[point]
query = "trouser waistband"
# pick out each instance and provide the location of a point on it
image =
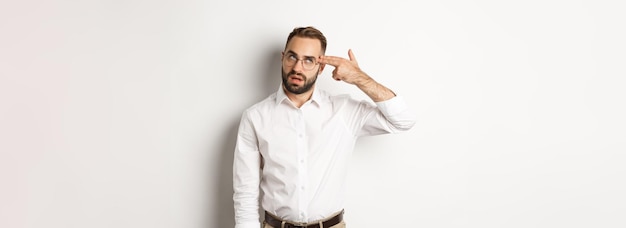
(276, 222)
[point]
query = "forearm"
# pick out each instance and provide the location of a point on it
(246, 209)
(246, 189)
(376, 91)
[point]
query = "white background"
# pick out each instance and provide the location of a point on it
(123, 113)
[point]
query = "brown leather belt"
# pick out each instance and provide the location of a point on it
(276, 223)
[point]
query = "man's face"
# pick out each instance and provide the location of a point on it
(297, 78)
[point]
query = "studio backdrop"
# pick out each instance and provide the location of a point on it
(124, 113)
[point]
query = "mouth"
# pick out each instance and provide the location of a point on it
(296, 78)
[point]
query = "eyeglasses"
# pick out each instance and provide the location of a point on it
(308, 63)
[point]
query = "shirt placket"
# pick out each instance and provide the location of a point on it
(302, 151)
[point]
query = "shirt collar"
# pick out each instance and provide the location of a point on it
(281, 96)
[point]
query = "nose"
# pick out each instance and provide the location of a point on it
(298, 67)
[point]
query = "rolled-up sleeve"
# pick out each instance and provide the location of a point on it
(390, 116)
(246, 176)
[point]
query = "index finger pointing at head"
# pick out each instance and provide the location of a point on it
(331, 60)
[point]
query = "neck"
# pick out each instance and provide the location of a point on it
(299, 99)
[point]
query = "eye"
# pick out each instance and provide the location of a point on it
(309, 60)
(292, 57)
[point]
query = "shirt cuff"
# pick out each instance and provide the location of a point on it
(392, 106)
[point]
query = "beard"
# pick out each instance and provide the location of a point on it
(297, 89)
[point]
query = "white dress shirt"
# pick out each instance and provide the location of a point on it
(296, 159)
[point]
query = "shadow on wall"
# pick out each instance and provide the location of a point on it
(272, 64)
(268, 80)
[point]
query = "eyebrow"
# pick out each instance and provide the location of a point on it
(296, 54)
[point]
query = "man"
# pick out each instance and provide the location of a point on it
(293, 147)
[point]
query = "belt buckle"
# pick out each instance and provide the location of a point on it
(300, 225)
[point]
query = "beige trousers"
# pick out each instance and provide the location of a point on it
(342, 224)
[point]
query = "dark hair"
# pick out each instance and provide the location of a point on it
(308, 32)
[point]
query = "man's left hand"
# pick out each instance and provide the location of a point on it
(346, 70)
